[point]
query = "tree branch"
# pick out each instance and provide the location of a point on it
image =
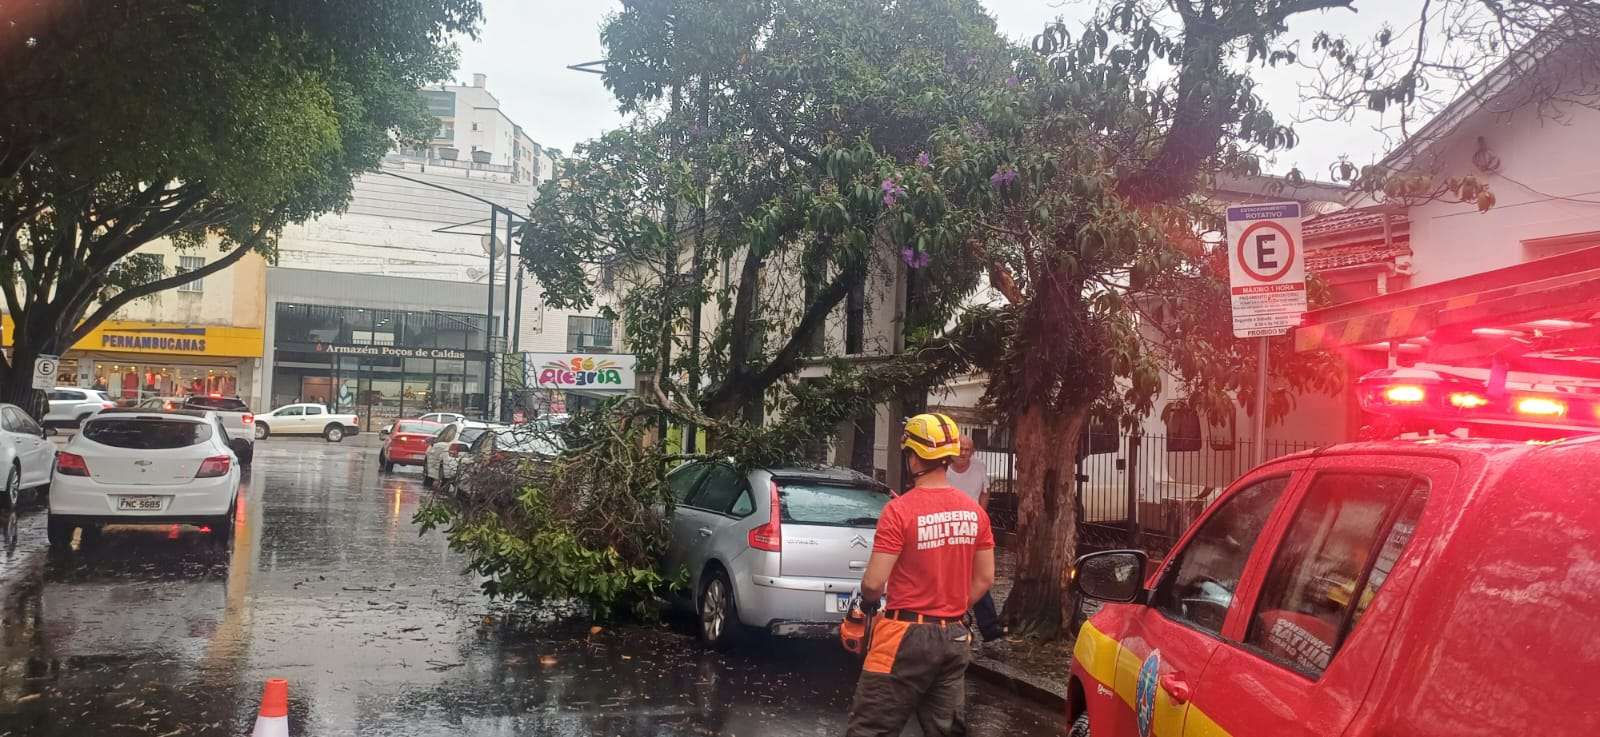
(110, 306)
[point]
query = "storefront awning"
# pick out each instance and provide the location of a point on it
(1540, 316)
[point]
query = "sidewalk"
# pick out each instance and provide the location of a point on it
(1030, 668)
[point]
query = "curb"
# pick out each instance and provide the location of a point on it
(1047, 693)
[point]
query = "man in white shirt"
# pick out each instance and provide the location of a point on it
(971, 476)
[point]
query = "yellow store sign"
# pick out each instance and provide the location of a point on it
(163, 338)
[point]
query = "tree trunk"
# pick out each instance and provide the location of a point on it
(16, 382)
(1046, 443)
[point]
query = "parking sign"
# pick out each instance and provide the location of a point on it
(44, 371)
(1266, 267)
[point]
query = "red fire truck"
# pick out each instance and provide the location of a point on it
(1446, 584)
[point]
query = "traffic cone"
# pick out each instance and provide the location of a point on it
(273, 720)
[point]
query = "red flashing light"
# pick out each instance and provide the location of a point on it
(1467, 400)
(1542, 407)
(213, 467)
(769, 537)
(215, 395)
(71, 464)
(249, 420)
(1405, 394)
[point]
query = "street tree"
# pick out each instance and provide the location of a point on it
(764, 137)
(211, 124)
(1083, 191)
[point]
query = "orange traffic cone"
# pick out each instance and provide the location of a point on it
(273, 720)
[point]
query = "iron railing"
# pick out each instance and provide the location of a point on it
(1142, 491)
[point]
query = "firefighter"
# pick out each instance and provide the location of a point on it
(933, 556)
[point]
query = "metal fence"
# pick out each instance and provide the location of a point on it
(1137, 491)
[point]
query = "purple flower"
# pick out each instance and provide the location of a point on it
(1003, 176)
(914, 259)
(892, 191)
(1012, 81)
(923, 160)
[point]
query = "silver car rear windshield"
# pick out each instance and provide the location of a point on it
(147, 433)
(812, 503)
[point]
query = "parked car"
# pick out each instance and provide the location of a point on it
(1432, 588)
(160, 403)
(135, 466)
(780, 550)
(306, 419)
(25, 454)
(407, 445)
(445, 448)
(70, 406)
(534, 442)
(236, 418)
(437, 418)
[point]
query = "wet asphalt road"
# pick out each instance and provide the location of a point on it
(379, 632)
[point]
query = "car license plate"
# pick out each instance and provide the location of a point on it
(838, 603)
(139, 503)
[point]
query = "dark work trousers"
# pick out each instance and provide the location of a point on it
(912, 669)
(988, 619)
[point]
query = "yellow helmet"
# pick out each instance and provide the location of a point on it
(932, 436)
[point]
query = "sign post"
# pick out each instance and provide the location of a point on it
(1267, 281)
(44, 371)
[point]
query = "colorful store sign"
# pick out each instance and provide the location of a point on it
(588, 371)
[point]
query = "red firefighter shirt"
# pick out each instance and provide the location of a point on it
(936, 532)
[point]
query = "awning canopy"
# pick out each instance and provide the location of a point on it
(1539, 317)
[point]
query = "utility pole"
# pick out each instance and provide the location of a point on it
(488, 345)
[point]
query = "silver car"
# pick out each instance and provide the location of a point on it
(776, 550)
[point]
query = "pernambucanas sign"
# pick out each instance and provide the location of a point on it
(1266, 268)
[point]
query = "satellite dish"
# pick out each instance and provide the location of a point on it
(476, 274)
(489, 244)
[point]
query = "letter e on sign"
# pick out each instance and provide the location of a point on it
(1266, 268)
(44, 371)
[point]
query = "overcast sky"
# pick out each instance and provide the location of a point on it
(526, 46)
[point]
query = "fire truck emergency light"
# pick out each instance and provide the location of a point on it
(1541, 407)
(1405, 394)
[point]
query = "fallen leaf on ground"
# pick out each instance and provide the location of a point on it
(547, 660)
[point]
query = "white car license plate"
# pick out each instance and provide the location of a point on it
(139, 503)
(837, 603)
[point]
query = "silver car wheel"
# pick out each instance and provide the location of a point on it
(714, 610)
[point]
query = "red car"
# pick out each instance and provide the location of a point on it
(407, 444)
(1417, 588)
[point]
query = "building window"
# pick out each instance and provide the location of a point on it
(608, 278)
(1183, 428)
(474, 126)
(187, 264)
(589, 335)
(446, 132)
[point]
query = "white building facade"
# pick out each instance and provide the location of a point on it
(403, 303)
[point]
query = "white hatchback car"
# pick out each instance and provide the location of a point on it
(135, 466)
(443, 459)
(25, 454)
